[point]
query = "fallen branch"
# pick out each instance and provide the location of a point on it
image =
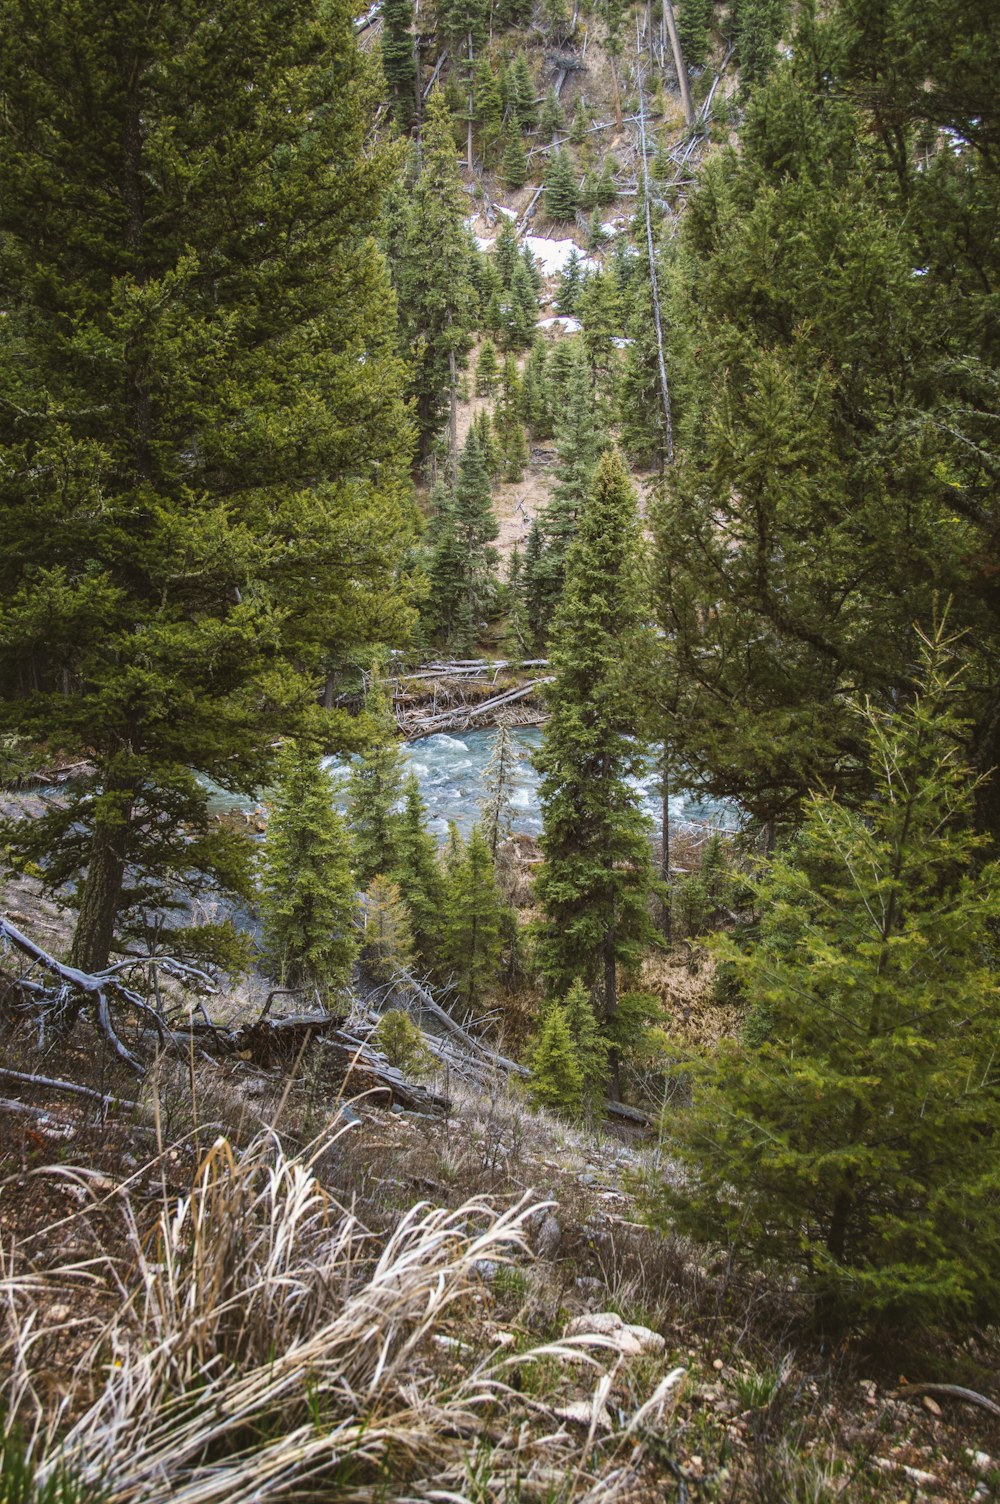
(948, 1392)
(70, 1088)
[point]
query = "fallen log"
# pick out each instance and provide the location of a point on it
(947, 1392)
(68, 1088)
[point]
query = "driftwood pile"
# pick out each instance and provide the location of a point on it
(454, 696)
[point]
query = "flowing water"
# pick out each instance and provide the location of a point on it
(450, 772)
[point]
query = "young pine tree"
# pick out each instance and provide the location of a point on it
(487, 369)
(580, 124)
(374, 789)
(579, 441)
(499, 786)
(307, 888)
(515, 161)
(846, 1136)
(597, 879)
(552, 118)
(386, 938)
(471, 938)
(589, 1045)
(399, 63)
(476, 526)
(560, 186)
(556, 1080)
(417, 873)
(179, 346)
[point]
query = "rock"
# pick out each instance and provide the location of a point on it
(581, 1413)
(589, 1286)
(486, 1270)
(548, 1238)
(346, 1114)
(630, 1340)
(981, 1463)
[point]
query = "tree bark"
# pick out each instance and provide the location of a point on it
(675, 47)
(452, 417)
(665, 842)
(610, 1010)
(95, 927)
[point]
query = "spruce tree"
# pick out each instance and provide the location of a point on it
(433, 269)
(179, 346)
(489, 109)
(538, 404)
(589, 1045)
(561, 194)
(556, 1080)
(487, 369)
(508, 422)
(845, 1136)
(308, 894)
(515, 161)
(694, 27)
(386, 938)
(476, 527)
(506, 253)
(374, 789)
(580, 439)
(471, 938)
(580, 124)
(535, 587)
(417, 872)
(595, 885)
(522, 311)
(522, 87)
(499, 786)
(399, 62)
(552, 118)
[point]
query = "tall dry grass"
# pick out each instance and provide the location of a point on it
(266, 1345)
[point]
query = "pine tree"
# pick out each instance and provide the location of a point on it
(535, 589)
(589, 1046)
(515, 161)
(523, 310)
(463, 26)
(476, 527)
(433, 269)
(599, 309)
(587, 196)
(307, 888)
(470, 943)
(508, 422)
(374, 789)
(506, 253)
(580, 440)
(607, 193)
(399, 63)
(538, 391)
(499, 786)
(560, 186)
(488, 447)
(179, 346)
(448, 603)
(417, 873)
(594, 887)
(523, 93)
(849, 1128)
(386, 938)
(489, 109)
(756, 27)
(487, 369)
(556, 1080)
(580, 124)
(694, 27)
(552, 118)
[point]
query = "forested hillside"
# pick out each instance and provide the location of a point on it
(499, 746)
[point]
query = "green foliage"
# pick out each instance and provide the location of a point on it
(508, 423)
(538, 405)
(561, 193)
(487, 369)
(853, 1132)
(499, 784)
(756, 27)
(374, 789)
(471, 931)
(522, 93)
(514, 172)
(386, 937)
(180, 348)
(694, 28)
(556, 1077)
(571, 279)
(18, 1483)
(307, 888)
(580, 123)
(399, 63)
(402, 1043)
(589, 1045)
(552, 118)
(489, 108)
(432, 257)
(417, 873)
(595, 885)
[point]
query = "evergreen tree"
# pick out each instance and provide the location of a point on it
(580, 440)
(538, 391)
(694, 27)
(463, 26)
(756, 28)
(535, 590)
(587, 196)
(374, 789)
(607, 193)
(523, 309)
(386, 938)
(552, 118)
(846, 1136)
(448, 602)
(399, 62)
(522, 90)
(589, 1046)
(488, 447)
(571, 279)
(599, 309)
(487, 369)
(580, 124)
(508, 422)
(489, 109)
(499, 786)
(556, 1077)
(515, 161)
(472, 923)
(595, 885)
(307, 888)
(417, 872)
(506, 253)
(433, 270)
(179, 347)
(560, 186)
(476, 526)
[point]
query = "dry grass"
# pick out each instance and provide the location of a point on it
(266, 1344)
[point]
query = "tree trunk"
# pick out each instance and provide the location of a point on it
(95, 927)
(682, 78)
(452, 417)
(665, 841)
(618, 96)
(610, 1010)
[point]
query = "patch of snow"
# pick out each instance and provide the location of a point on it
(482, 244)
(620, 344)
(510, 213)
(553, 255)
(567, 325)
